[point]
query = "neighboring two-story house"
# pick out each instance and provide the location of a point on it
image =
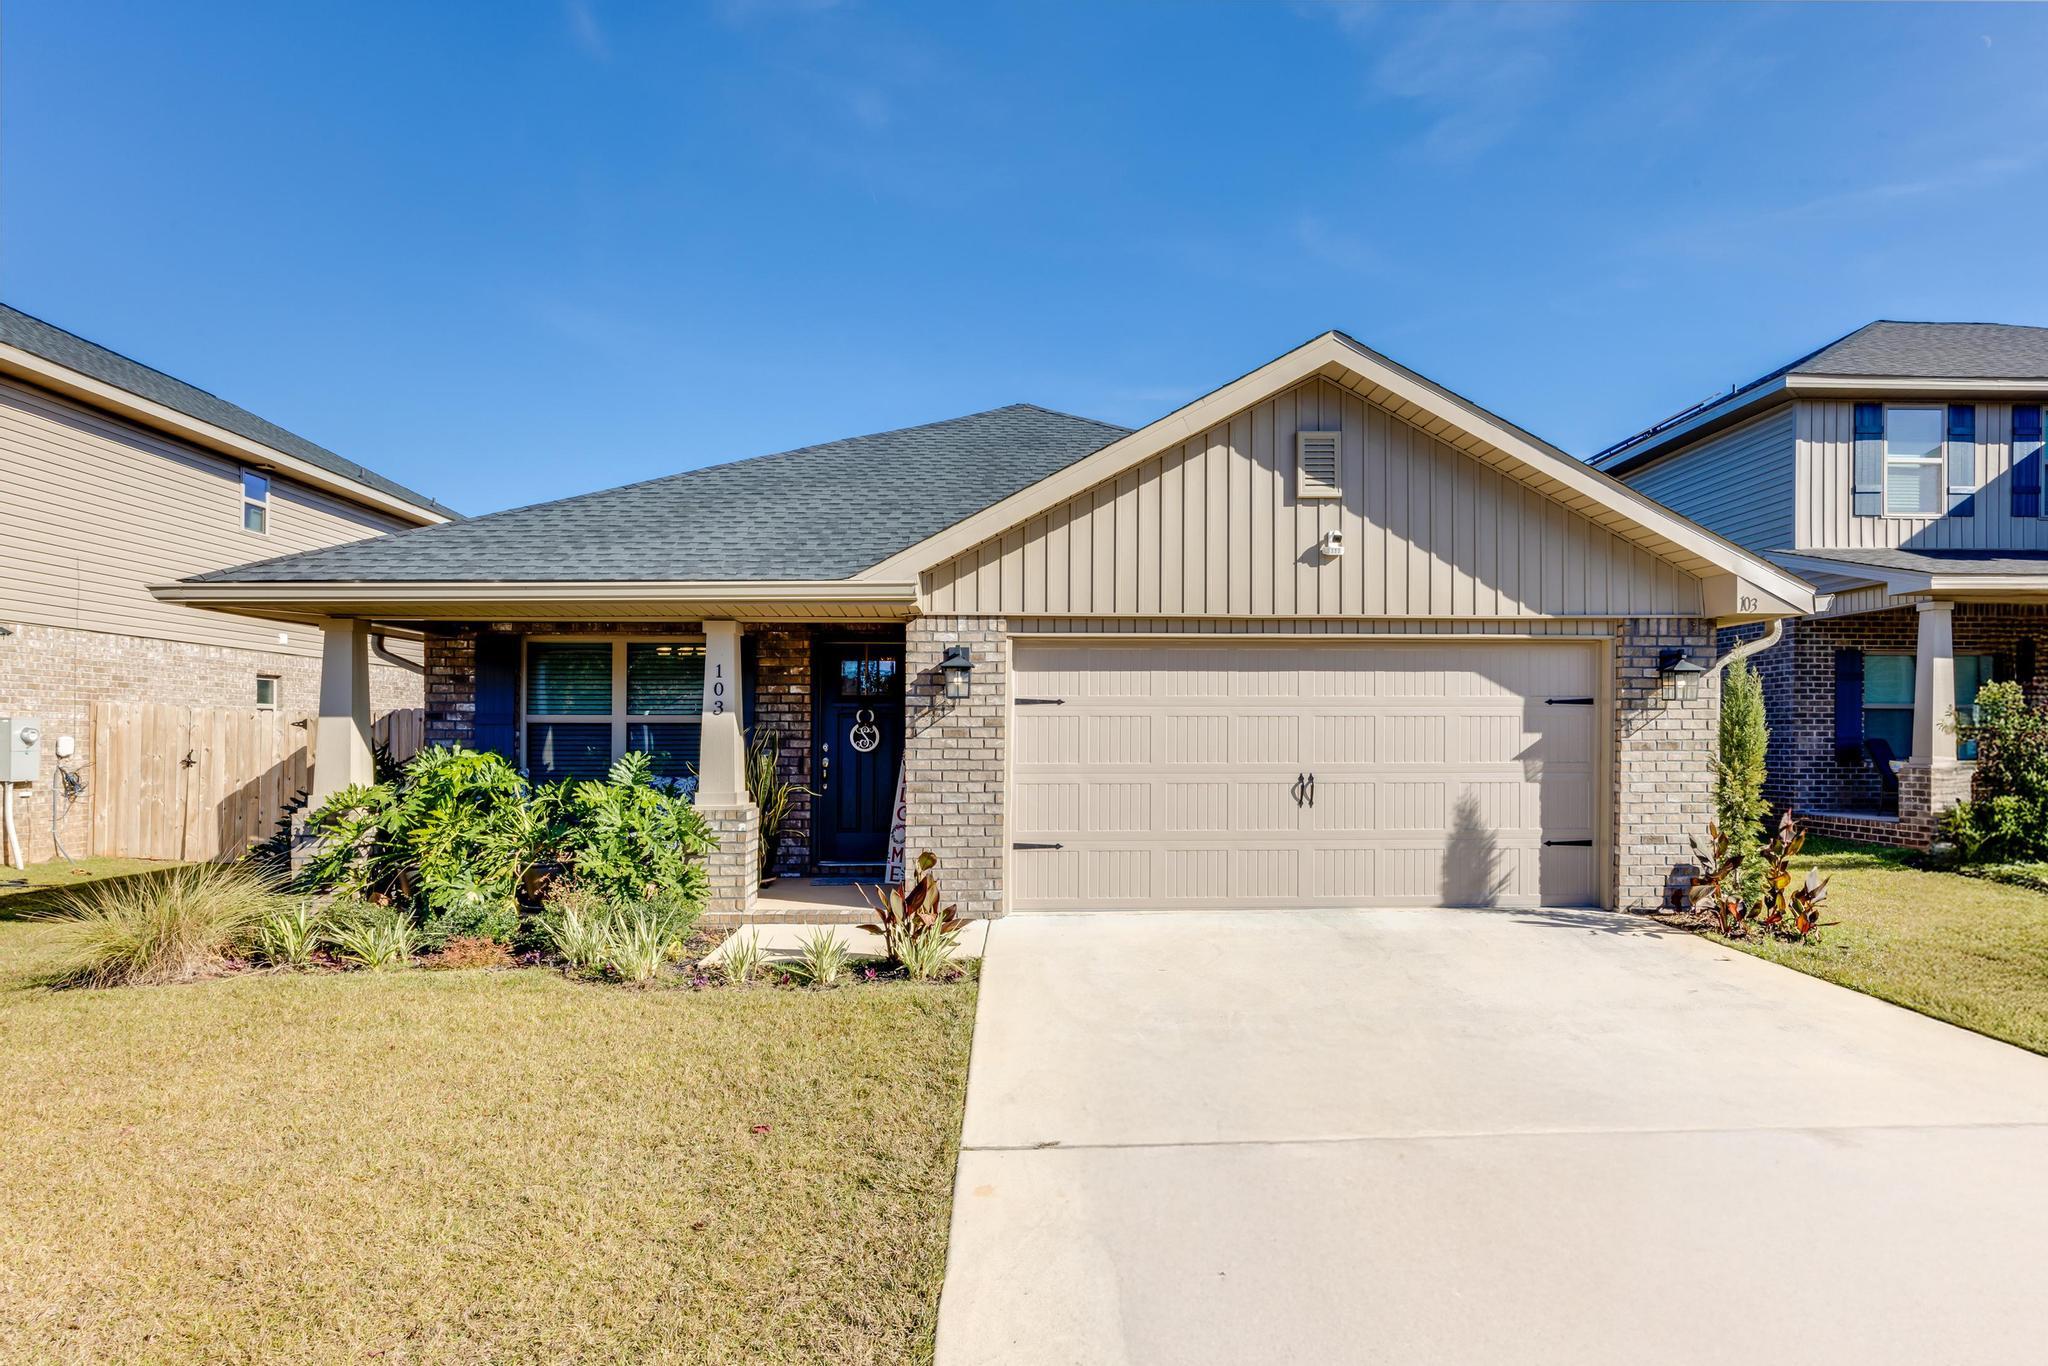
(1899, 471)
(116, 477)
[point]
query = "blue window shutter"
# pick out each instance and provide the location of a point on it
(1848, 706)
(2026, 461)
(1869, 482)
(1962, 459)
(497, 694)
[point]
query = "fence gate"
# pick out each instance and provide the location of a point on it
(170, 782)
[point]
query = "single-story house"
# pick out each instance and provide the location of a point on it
(1331, 635)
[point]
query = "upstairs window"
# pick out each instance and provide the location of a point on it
(255, 502)
(1913, 461)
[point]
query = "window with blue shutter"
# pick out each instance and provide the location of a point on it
(497, 694)
(1869, 472)
(2026, 461)
(1962, 459)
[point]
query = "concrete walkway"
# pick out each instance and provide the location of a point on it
(1446, 1137)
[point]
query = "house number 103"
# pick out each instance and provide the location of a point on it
(718, 689)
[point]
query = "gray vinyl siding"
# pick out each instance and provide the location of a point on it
(1739, 482)
(103, 508)
(1213, 528)
(1827, 521)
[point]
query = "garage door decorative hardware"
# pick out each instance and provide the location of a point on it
(1038, 846)
(1578, 844)
(1567, 701)
(1041, 701)
(1304, 789)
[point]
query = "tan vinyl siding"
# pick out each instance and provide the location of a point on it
(1213, 528)
(1739, 483)
(103, 509)
(1827, 521)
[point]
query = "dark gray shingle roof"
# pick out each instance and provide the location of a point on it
(1934, 351)
(1993, 562)
(54, 344)
(1884, 350)
(820, 512)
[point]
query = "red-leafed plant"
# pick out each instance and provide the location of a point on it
(1715, 882)
(910, 919)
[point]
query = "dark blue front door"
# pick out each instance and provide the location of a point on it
(859, 740)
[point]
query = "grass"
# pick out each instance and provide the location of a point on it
(31, 891)
(472, 1167)
(1968, 950)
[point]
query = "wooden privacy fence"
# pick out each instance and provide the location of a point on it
(174, 782)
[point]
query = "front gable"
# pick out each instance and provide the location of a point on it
(1444, 510)
(1216, 525)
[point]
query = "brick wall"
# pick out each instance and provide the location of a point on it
(956, 757)
(1798, 675)
(782, 703)
(56, 675)
(1663, 760)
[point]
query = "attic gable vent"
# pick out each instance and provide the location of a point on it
(1316, 464)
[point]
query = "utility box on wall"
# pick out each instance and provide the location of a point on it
(21, 749)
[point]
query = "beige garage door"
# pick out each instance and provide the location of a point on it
(1244, 775)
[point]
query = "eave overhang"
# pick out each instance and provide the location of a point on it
(578, 600)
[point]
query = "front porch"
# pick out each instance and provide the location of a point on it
(857, 714)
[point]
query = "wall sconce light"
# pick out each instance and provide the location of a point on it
(1679, 674)
(958, 666)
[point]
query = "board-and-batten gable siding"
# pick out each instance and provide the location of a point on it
(1740, 483)
(1827, 519)
(1212, 528)
(103, 508)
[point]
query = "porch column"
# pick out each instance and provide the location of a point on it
(1934, 685)
(341, 737)
(722, 796)
(1932, 781)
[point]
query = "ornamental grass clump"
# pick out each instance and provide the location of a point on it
(161, 927)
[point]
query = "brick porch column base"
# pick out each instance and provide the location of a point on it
(1926, 793)
(734, 866)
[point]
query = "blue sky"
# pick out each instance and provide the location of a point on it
(506, 252)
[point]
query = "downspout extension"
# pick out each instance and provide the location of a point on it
(384, 652)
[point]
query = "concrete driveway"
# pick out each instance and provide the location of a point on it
(1459, 1136)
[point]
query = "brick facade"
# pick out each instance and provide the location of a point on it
(56, 675)
(957, 759)
(781, 691)
(1663, 760)
(1798, 675)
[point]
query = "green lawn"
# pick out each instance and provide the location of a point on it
(473, 1167)
(1963, 949)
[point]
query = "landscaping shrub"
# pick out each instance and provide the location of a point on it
(165, 927)
(919, 932)
(1739, 807)
(2007, 817)
(742, 958)
(458, 836)
(375, 936)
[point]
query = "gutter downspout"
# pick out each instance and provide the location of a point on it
(1751, 647)
(384, 652)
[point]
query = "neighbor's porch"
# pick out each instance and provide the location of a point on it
(1868, 710)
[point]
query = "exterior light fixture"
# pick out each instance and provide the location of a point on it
(1680, 674)
(958, 666)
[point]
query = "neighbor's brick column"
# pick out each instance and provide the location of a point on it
(957, 760)
(1926, 792)
(782, 703)
(1663, 760)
